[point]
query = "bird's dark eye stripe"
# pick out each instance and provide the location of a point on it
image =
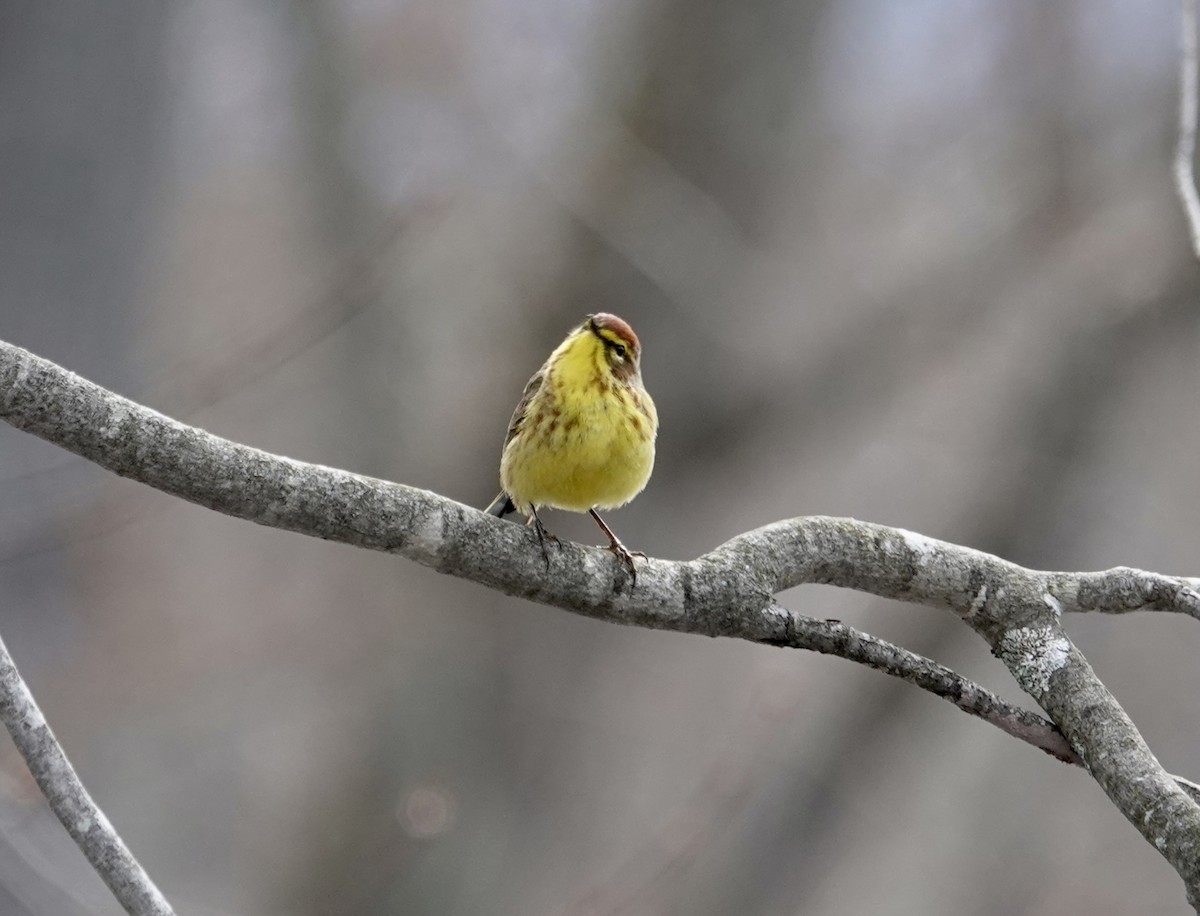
(621, 348)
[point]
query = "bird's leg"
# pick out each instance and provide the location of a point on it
(543, 535)
(617, 547)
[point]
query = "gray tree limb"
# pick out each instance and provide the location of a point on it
(70, 801)
(727, 592)
(832, 637)
(1185, 148)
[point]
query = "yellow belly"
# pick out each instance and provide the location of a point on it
(591, 455)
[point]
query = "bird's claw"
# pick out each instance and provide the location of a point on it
(543, 537)
(626, 556)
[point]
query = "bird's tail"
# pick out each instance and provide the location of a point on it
(501, 506)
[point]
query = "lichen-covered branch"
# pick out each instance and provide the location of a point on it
(832, 637)
(727, 592)
(1123, 589)
(70, 801)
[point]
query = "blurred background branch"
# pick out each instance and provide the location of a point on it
(1185, 151)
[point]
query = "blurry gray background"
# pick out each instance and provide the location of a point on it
(917, 263)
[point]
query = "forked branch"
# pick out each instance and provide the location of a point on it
(727, 592)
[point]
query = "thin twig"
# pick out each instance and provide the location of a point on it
(70, 801)
(1185, 151)
(832, 637)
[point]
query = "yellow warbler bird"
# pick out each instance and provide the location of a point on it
(582, 437)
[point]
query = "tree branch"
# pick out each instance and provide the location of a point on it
(70, 801)
(1123, 589)
(832, 637)
(727, 592)
(1185, 150)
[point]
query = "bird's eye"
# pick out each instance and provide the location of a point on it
(620, 350)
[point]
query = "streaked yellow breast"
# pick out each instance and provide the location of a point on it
(587, 440)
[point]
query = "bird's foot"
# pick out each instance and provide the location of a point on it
(626, 556)
(615, 545)
(543, 537)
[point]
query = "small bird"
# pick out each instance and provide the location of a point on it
(582, 437)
